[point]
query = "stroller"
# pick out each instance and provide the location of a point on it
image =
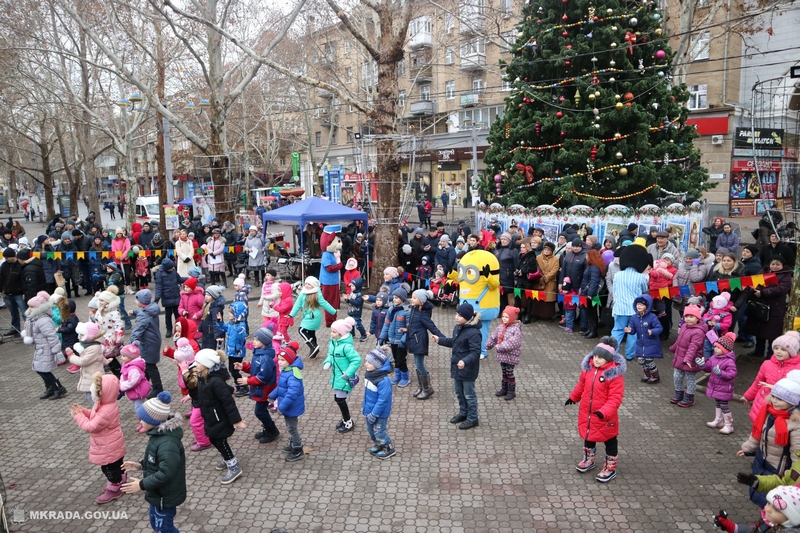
(448, 293)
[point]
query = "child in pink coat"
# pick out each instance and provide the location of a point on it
(718, 318)
(784, 359)
(722, 366)
(507, 338)
(196, 418)
(106, 443)
(132, 380)
(688, 347)
(283, 307)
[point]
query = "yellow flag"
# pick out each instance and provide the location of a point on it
(57, 255)
(81, 255)
(796, 323)
(106, 255)
(663, 292)
(758, 281)
(119, 255)
(37, 255)
(158, 253)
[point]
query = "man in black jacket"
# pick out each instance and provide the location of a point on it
(83, 243)
(33, 279)
(11, 288)
(776, 248)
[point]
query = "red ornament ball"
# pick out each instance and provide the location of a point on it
(561, 99)
(559, 114)
(564, 18)
(569, 47)
(567, 63)
(557, 173)
(595, 18)
(565, 33)
(563, 133)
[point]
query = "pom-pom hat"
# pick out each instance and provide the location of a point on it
(155, 410)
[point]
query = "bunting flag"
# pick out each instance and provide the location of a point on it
(171, 253)
(663, 292)
(56, 255)
(106, 255)
(596, 300)
(148, 253)
(92, 255)
(576, 300)
(724, 284)
(560, 298)
(50, 255)
(119, 255)
(81, 255)
(758, 280)
(796, 323)
(732, 284)
(582, 300)
(518, 293)
(37, 255)
(158, 253)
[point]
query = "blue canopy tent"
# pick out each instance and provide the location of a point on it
(185, 201)
(314, 210)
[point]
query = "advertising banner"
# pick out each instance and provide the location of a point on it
(761, 142)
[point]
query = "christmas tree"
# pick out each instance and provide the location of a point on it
(593, 117)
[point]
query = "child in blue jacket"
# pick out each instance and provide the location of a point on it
(290, 395)
(235, 333)
(394, 332)
(356, 305)
(262, 381)
(647, 328)
(378, 315)
(377, 404)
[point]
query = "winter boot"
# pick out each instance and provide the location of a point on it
(234, 471)
(427, 390)
(397, 376)
(688, 400)
(404, 380)
(59, 391)
(244, 390)
(503, 389)
(296, 454)
(609, 470)
(647, 376)
(654, 377)
(419, 385)
(386, 452)
(727, 428)
(588, 460)
(375, 449)
(512, 391)
(346, 427)
(717, 422)
(112, 492)
(314, 348)
(51, 389)
(268, 436)
(677, 397)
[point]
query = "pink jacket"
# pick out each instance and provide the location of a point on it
(723, 318)
(192, 303)
(688, 346)
(662, 277)
(771, 372)
(120, 245)
(133, 383)
(106, 443)
(508, 351)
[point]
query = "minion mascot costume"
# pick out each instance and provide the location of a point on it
(331, 243)
(479, 284)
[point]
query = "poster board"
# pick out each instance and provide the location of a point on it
(172, 216)
(204, 207)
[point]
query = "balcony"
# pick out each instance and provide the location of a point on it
(470, 100)
(472, 62)
(421, 73)
(422, 107)
(472, 21)
(420, 39)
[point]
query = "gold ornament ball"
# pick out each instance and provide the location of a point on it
(623, 171)
(520, 35)
(618, 106)
(659, 32)
(591, 96)
(597, 94)
(618, 155)
(617, 97)
(613, 45)
(613, 28)
(609, 11)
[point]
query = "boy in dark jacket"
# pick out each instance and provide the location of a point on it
(377, 406)
(261, 382)
(465, 362)
(163, 464)
(168, 291)
(378, 315)
(356, 306)
(647, 328)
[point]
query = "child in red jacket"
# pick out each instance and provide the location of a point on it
(600, 390)
(661, 277)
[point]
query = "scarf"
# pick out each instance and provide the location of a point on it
(501, 334)
(781, 431)
(376, 375)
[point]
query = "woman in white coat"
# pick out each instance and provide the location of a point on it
(184, 253)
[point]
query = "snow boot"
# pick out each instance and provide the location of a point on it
(503, 389)
(588, 460)
(512, 391)
(112, 492)
(647, 376)
(419, 385)
(677, 397)
(654, 377)
(688, 400)
(397, 377)
(51, 389)
(609, 470)
(59, 391)
(717, 422)
(727, 428)
(404, 379)
(427, 390)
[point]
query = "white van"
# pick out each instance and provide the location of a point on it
(147, 208)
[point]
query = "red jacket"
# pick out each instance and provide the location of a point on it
(599, 389)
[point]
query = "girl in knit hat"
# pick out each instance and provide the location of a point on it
(261, 381)
(87, 354)
(40, 331)
(507, 338)
(133, 381)
(784, 359)
(775, 434)
(106, 443)
(600, 390)
(290, 397)
(419, 324)
(345, 362)
(311, 302)
(718, 318)
(394, 332)
(687, 347)
(781, 512)
(192, 301)
(377, 405)
(722, 366)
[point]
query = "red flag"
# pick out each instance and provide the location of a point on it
(747, 281)
(771, 279)
(654, 294)
(674, 291)
(148, 253)
(724, 285)
(583, 301)
(700, 288)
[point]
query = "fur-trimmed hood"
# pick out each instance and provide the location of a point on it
(475, 321)
(612, 369)
(175, 421)
(33, 312)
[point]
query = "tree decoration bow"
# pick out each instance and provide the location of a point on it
(527, 170)
(630, 38)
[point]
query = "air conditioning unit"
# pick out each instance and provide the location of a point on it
(717, 140)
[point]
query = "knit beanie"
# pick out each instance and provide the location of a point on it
(191, 283)
(692, 253)
(314, 282)
(606, 348)
(720, 301)
(400, 293)
(239, 281)
(466, 311)
(786, 499)
(94, 303)
(66, 236)
(88, 329)
(383, 297)
(789, 341)
(131, 350)
(392, 271)
(289, 352)
(512, 313)
(376, 357)
(423, 295)
(215, 291)
(41, 298)
(577, 242)
(272, 272)
(207, 357)
(155, 410)
(726, 341)
(787, 390)
(753, 249)
(9, 252)
(693, 310)
(406, 250)
(633, 226)
(446, 238)
(144, 296)
(344, 327)
(195, 272)
(264, 335)
(505, 235)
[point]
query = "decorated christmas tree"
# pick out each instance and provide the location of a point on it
(593, 117)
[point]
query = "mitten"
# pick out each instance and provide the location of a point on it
(695, 262)
(599, 415)
(187, 259)
(569, 402)
(746, 478)
(326, 366)
(371, 418)
(699, 361)
(530, 275)
(722, 522)
(717, 370)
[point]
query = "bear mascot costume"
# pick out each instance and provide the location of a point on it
(331, 245)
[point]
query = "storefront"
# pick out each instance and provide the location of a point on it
(444, 170)
(759, 180)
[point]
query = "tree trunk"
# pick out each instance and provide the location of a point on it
(84, 132)
(47, 181)
(164, 181)
(12, 191)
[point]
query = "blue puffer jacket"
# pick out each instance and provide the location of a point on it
(419, 323)
(378, 395)
(290, 391)
(262, 373)
(355, 302)
(148, 333)
(395, 320)
(445, 257)
(647, 344)
(235, 331)
(168, 284)
(377, 321)
(590, 285)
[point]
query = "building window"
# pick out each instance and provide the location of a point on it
(350, 137)
(282, 161)
(349, 108)
(505, 6)
(449, 55)
(698, 97)
(318, 139)
(700, 45)
(348, 75)
(450, 89)
(401, 67)
(477, 85)
(509, 38)
(333, 135)
(449, 22)
(347, 47)
(425, 93)
(421, 24)
(401, 98)
(473, 48)
(506, 86)
(366, 75)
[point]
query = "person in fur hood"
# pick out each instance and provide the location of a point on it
(600, 389)
(40, 331)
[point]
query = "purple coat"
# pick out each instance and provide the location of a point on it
(688, 346)
(721, 387)
(508, 351)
